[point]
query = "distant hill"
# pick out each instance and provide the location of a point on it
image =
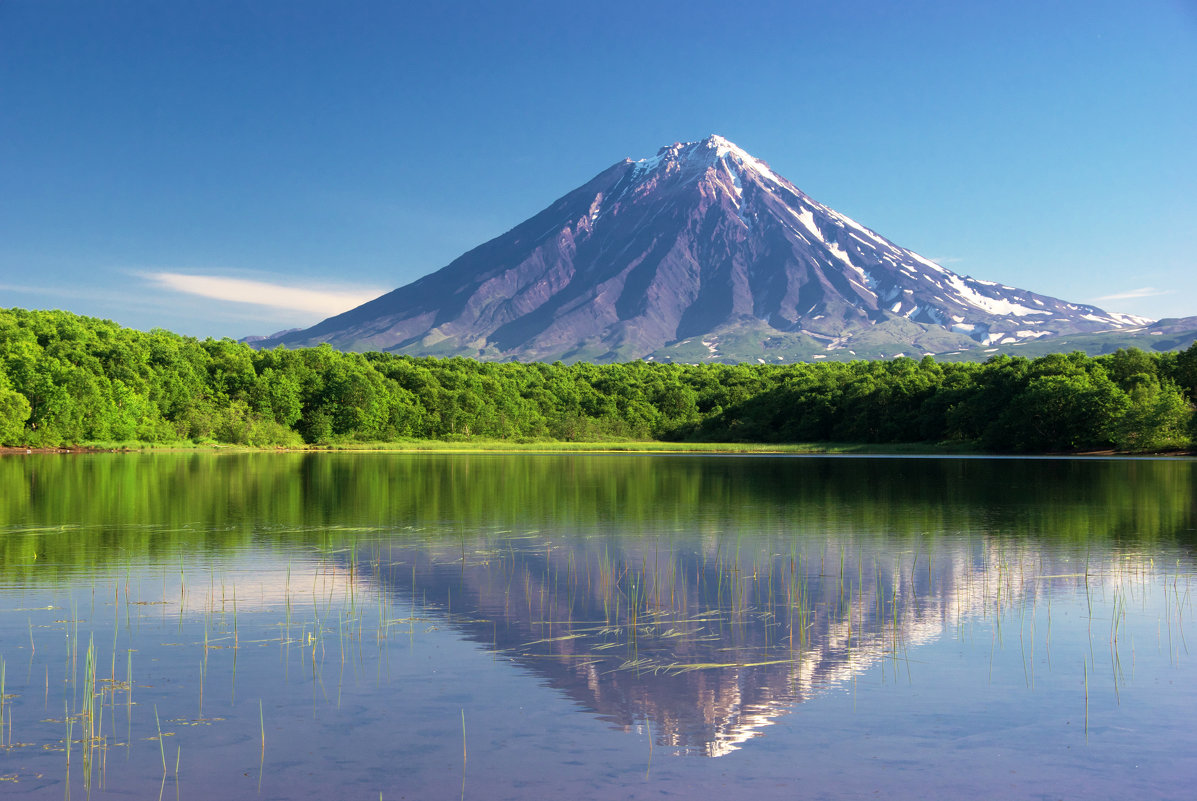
(701, 253)
(1168, 334)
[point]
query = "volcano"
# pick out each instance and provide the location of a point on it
(699, 253)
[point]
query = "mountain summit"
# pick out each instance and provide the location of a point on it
(700, 252)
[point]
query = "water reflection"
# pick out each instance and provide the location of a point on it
(699, 601)
(63, 513)
(707, 645)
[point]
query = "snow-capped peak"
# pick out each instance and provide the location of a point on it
(724, 147)
(705, 153)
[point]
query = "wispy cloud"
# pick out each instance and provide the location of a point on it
(943, 260)
(1143, 292)
(313, 299)
(51, 296)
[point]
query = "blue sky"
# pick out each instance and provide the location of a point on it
(233, 168)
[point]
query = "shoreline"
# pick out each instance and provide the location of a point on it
(646, 447)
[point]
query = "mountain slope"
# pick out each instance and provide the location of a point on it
(701, 243)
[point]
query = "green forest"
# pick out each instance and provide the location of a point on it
(72, 380)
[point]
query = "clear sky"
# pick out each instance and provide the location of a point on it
(203, 166)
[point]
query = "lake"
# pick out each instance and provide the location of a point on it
(491, 626)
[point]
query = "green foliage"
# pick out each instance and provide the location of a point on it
(1159, 418)
(1185, 368)
(14, 411)
(66, 379)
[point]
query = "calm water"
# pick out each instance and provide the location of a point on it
(596, 626)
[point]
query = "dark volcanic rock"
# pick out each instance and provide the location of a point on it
(705, 243)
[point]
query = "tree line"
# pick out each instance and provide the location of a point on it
(67, 379)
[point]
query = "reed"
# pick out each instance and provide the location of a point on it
(262, 753)
(70, 725)
(89, 689)
(1085, 671)
(161, 747)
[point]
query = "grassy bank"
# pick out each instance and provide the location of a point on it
(617, 446)
(506, 446)
(646, 447)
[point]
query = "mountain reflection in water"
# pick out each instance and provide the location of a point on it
(706, 644)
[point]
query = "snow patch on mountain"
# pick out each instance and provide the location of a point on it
(999, 306)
